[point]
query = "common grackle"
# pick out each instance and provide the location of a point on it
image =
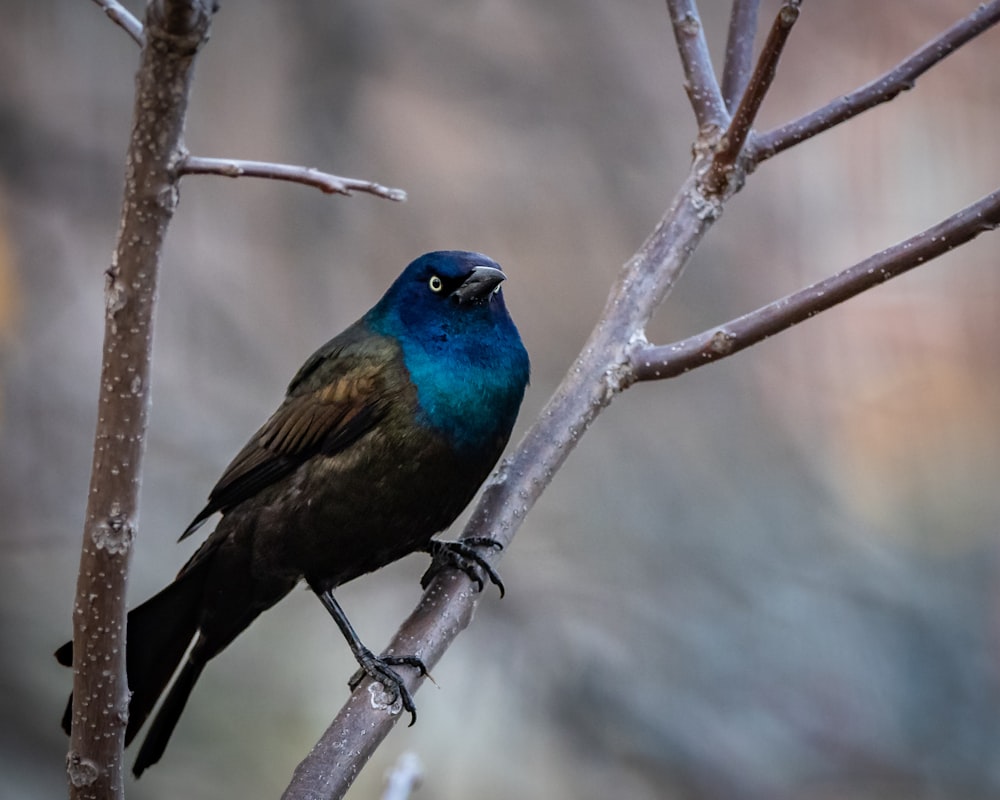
(384, 436)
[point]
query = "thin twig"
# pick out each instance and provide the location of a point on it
(731, 144)
(739, 50)
(700, 83)
(884, 88)
(121, 16)
(668, 361)
(325, 182)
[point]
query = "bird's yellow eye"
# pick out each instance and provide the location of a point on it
(435, 283)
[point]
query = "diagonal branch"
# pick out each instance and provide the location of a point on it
(613, 358)
(739, 50)
(121, 16)
(702, 88)
(731, 144)
(597, 375)
(884, 88)
(668, 361)
(324, 181)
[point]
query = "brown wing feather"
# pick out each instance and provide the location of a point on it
(324, 420)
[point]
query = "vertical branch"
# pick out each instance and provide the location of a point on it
(731, 144)
(174, 32)
(739, 50)
(702, 88)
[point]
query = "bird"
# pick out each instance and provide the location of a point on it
(385, 434)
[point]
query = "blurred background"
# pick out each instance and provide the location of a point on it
(776, 577)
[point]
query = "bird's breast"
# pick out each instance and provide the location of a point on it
(382, 498)
(469, 398)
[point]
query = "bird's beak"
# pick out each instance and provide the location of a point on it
(479, 284)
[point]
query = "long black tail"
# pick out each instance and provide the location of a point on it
(166, 718)
(159, 633)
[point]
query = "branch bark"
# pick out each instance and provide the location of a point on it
(700, 84)
(731, 144)
(122, 17)
(324, 181)
(613, 358)
(668, 361)
(156, 159)
(881, 90)
(100, 693)
(739, 50)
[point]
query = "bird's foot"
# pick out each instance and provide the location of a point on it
(462, 555)
(380, 669)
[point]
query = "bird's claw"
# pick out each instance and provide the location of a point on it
(380, 669)
(461, 555)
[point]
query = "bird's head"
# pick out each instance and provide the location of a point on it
(459, 344)
(444, 293)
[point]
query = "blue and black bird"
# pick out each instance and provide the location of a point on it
(384, 436)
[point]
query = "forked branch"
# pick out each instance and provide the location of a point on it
(175, 30)
(884, 88)
(616, 356)
(238, 168)
(667, 361)
(173, 33)
(731, 144)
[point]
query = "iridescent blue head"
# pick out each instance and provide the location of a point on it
(459, 344)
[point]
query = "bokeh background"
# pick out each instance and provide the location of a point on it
(776, 577)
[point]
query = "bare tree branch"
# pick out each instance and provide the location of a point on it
(324, 181)
(100, 691)
(668, 361)
(900, 78)
(236, 168)
(123, 17)
(607, 364)
(739, 50)
(615, 355)
(363, 722)
(731, 144)
(700, 84)
(173, 34)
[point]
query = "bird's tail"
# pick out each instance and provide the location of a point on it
(159, 633)
(166, 718)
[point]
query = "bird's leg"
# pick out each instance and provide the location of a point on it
(461, 554)
(378, 668)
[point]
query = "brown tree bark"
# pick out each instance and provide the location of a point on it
(173, 34)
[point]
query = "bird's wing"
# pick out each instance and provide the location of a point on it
(333, 400)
